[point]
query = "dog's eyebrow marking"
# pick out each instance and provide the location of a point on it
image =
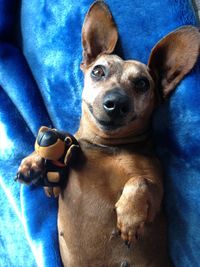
(109, 61)
(133, 69)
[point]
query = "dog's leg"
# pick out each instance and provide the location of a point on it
(31, 168)
(139, 203)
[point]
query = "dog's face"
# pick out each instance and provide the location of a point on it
(119, 96)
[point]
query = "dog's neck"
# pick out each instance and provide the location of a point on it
(84, 133)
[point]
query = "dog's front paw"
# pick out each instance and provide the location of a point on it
(130, 225)
(133, 211)
(30, 169)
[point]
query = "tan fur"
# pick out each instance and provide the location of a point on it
(31, 163)
(87, 217)
(110, 213)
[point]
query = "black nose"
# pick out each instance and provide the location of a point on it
(116, 104)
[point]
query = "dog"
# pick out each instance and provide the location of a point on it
(110, 212)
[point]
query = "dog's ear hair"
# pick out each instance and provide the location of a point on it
(173, 57)
(99, 33)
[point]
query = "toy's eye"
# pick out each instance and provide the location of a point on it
(98, 72)
(141, 84)
(68, 140)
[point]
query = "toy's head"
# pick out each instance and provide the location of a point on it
(53, 145)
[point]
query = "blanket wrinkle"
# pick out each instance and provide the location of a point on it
(21, 89)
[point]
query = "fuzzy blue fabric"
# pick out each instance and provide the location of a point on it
(41, 83)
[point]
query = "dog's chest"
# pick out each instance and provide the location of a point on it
(104, 173)
(86, 210)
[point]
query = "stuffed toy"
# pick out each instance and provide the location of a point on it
(58, 150)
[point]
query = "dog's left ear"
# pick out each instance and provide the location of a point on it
(173, 57)
(99, 33)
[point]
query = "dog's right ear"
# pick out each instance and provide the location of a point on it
(173, 57)
(99, 33)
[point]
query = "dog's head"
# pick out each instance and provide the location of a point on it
(119, 96)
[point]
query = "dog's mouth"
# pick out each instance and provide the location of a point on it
(110, 124)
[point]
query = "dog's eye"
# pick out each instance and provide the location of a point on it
(98, 72)
(141, 84)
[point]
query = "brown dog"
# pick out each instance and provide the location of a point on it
(119, 184)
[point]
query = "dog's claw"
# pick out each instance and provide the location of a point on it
(137, 236)
(16, 177)
(116, 233)
(21, 178)
(119, 232)
(31, 173)
(127, 243)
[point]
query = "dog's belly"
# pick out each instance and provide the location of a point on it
(86, 220)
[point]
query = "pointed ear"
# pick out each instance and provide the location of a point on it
(99, 33)
(173, 57)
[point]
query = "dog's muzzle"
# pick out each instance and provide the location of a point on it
(116, 104)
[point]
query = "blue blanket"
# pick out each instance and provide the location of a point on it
(40, 84)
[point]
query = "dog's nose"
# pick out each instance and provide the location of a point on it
(116, 104)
